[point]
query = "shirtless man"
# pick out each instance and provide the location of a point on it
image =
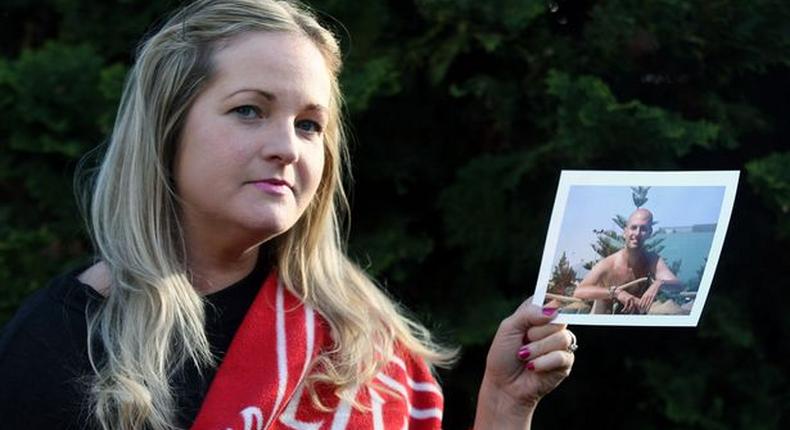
(632, 262)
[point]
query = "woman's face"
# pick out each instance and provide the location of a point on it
(251, 152)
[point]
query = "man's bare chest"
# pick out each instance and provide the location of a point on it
(623, 273)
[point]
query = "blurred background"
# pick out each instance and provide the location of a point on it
(462, 115)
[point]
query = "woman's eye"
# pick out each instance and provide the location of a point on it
(247, 112)
(309, 126)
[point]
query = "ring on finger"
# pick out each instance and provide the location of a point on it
(573, 346)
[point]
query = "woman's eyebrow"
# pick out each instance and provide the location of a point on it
(317, 107)
(268, 96)
(271, 97)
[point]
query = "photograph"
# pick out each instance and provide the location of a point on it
(634, 248)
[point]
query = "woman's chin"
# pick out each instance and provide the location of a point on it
(268, 229)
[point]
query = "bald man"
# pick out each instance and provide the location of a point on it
(632, 262)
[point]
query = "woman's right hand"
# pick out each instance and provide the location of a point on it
(528, 358)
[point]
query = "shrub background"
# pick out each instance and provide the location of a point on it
(463, 113)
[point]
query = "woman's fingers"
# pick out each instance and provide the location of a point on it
(526, 373)
(526, 316)
(539, 332)
(553, 361)
(559, 341)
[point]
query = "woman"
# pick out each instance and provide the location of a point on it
(221, 296)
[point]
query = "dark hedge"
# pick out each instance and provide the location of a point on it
(463, 114)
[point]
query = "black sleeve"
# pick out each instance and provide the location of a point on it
(44, 368)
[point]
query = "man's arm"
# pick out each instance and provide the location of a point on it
(592, 287)
(663, 278)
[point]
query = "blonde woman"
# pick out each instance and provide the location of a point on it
(221, 297)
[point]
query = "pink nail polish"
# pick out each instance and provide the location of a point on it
(523, 352)
(549, 311)
(530, 366)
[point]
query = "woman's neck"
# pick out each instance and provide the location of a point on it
(216, 261)
(210, 274)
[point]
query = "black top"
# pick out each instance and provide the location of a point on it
(44, 367)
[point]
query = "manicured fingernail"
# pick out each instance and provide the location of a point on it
(530, 366)
(549, 311)
(523, 352)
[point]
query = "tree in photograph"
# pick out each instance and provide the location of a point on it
(639, 194)
(563, 278)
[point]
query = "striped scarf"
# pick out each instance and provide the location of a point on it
(260, 383)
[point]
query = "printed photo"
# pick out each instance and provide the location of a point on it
(634, 248)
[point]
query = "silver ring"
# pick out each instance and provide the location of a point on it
(573, 346)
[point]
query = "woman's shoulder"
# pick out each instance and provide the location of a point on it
(43, 356)
(97, 277)
(48, 314)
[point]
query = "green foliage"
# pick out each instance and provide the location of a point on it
(377, 77)
(463, 113)
(639, 195)
(111, 79)
(770, 175)
(562, 276)
(45, 86)
(513, 15)
(640, 135)
(694, 283)
(607, 242)
(392, 251)
(620, 221)
(54, 112)
(674, 266)
(697, 394)
(112, 26)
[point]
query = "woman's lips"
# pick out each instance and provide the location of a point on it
(276, 187)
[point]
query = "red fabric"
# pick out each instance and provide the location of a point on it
(259, 384)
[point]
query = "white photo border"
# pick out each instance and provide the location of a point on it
(568, 178)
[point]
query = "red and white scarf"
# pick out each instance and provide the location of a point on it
(260, 383)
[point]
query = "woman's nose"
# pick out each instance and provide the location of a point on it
(281, 144)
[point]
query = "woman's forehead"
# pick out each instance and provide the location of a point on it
(283, 64)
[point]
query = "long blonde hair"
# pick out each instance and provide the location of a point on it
(152, 321)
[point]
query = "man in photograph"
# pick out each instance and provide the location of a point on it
(614, 282)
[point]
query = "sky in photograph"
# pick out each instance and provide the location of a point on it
(593, 207)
